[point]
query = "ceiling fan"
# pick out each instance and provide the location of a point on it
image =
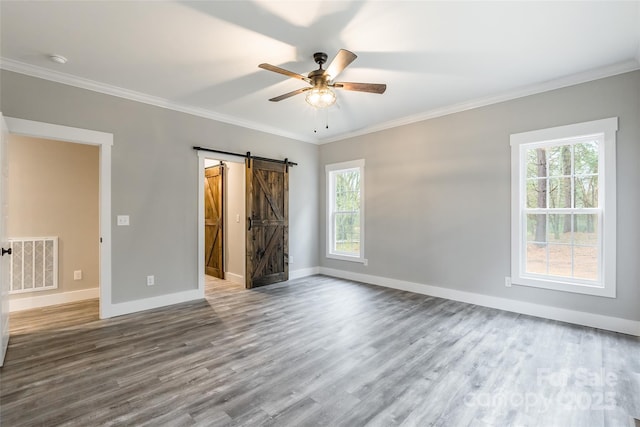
(320, 95)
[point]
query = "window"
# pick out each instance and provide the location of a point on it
(563, 215)
(345, 211)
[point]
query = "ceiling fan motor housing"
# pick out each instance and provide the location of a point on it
(320, 58)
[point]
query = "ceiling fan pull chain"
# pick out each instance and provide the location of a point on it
(315, 120)
(326, 118)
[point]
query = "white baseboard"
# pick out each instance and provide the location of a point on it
(119, 309)
(19, 304)
(609, 323)
(128, 307)
(303, 272)
(234, 278)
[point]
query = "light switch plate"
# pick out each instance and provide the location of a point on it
(123, 219)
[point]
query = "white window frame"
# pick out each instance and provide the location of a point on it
(331, 170)
(605, 286)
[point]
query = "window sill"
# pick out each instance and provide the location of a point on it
(558, 285)
(355, 259)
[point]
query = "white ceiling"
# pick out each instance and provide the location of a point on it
(435, 57)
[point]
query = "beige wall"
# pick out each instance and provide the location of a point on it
(234, 228)
(53, 191)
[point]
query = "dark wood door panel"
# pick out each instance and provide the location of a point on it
(268, 234)
(213, 221)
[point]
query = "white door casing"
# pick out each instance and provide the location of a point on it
(4, 244)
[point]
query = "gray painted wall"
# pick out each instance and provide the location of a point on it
(155, 178)
(438, 194)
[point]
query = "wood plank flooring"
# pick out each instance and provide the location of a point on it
(314, 352)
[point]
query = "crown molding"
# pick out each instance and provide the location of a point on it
(95, 86)
(572, 80)
(71, 80)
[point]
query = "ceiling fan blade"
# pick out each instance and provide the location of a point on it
(361, 87)
(290, 94)
(287, 73)
(340, 62)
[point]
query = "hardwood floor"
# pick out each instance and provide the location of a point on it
(316, 351)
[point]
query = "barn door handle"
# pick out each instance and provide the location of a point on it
(250, 223)
(6, 251)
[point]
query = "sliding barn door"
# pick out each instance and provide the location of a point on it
(213, 249)
(268, 223)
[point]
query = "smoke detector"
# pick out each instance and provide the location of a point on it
(59, 59)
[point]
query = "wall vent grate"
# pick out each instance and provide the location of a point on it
(34, 264)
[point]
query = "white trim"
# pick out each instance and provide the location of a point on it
(625, 326)
(135, 306)
(19, 304)
(58, 132)
(572, 80)
(330, 190)
(200, 224)
(104, 141)
(234, 278)
(303, 272)
(71, 80)
(606, 129)
(95, 86)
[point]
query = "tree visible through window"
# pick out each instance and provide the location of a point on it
(345, 210)
(563, 208)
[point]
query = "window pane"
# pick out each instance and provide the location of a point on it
(560, 192)
(586, 229)
(560, 260)
(559, 228)
(559, 160)
(586, 158)
(347, 233)
(586, 191)
(537, 193)
(536, 163)
(537, 228)
(536, 258)
(586, 262)
(348, 191)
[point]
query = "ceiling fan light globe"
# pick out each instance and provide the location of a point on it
(321, 98)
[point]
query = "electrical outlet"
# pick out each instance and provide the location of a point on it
(123, 220)
(366, 262)
(507, 282)
(151, 280)
(77, 275)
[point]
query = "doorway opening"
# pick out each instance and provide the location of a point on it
(103, 141)
(221, 199)
(260, 218)
(53, 222)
